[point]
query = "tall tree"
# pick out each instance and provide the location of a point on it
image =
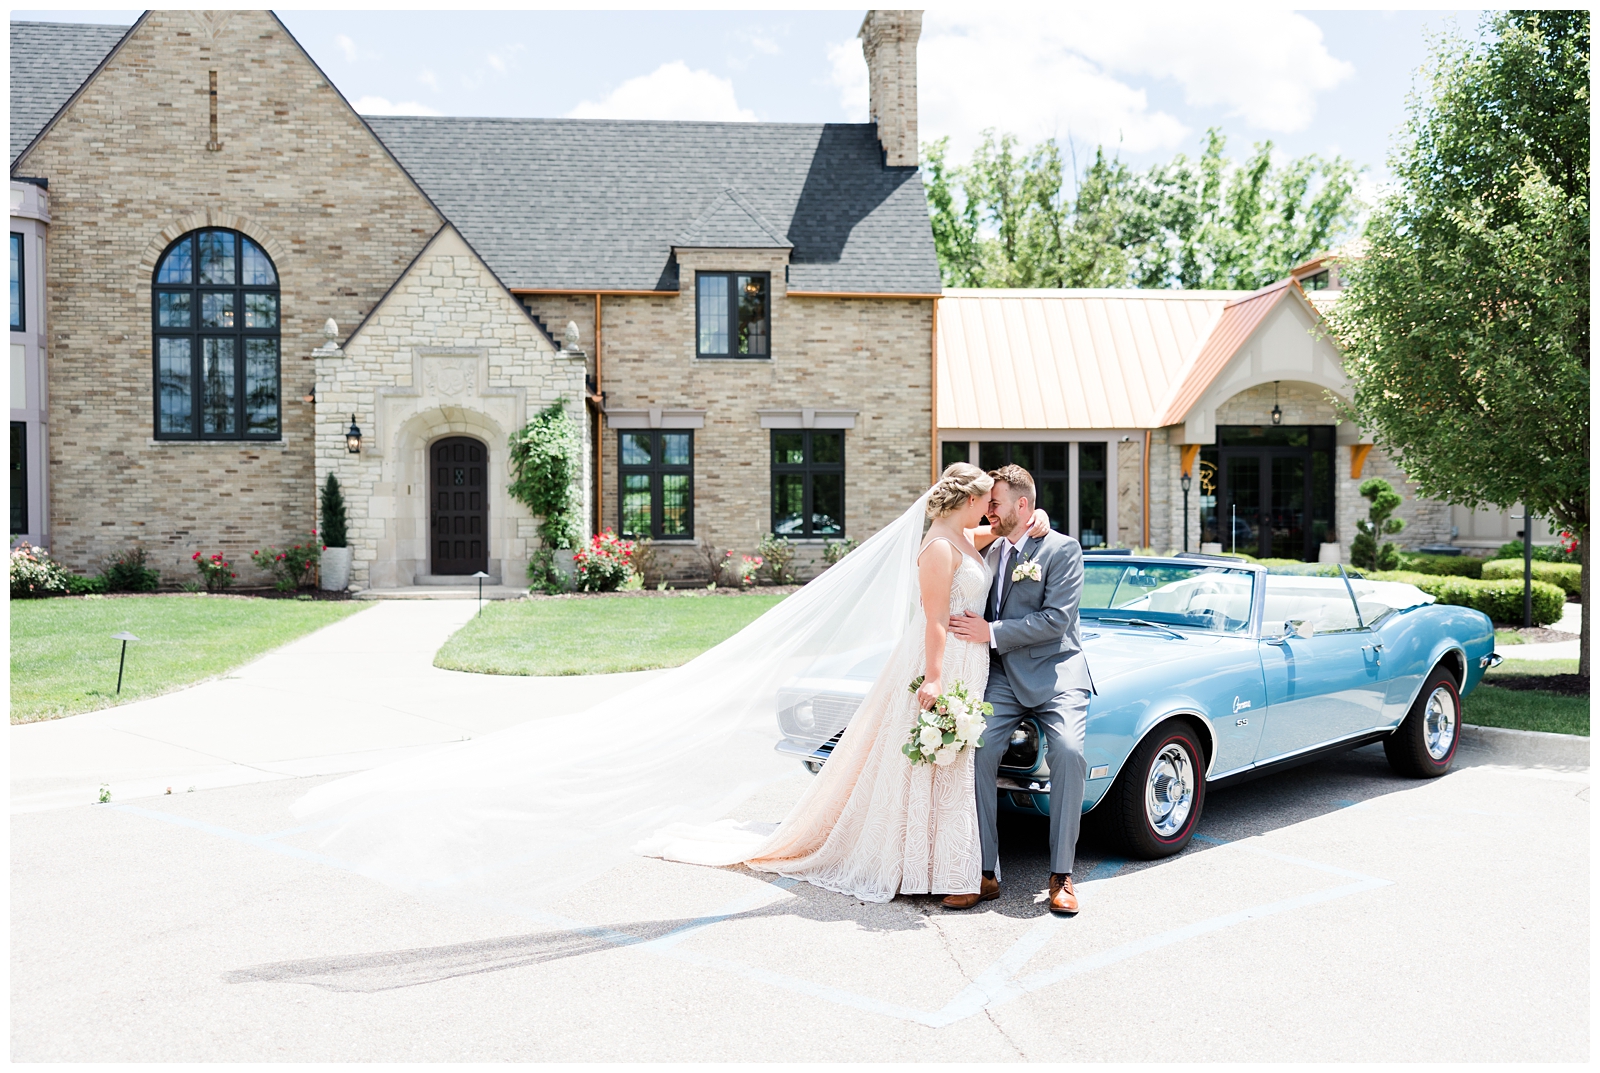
(1466, 324)
(1006, 219)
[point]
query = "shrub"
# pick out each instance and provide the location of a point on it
(605, 564)
(544, 464)
(292, 568)
(334, 525)
(1365, 551)
(85, 586)
(215, 571)
(1447, 565)
(743, 570)
(543, 575)
(1566, 576)
(126, 572)
(652, 571)
(1500, 600)
(35, 574)
(834, 550)
(777, 558)
(1564, 552)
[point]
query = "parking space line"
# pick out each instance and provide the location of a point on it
(995, 986)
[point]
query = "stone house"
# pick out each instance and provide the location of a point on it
(746, 311)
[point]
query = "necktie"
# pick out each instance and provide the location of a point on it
(1000, 575)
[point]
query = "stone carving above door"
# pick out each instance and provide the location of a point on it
(211, 23)
(450, 378)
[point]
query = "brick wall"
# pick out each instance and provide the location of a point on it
(129, 172)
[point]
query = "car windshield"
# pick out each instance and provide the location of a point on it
(1169, 594)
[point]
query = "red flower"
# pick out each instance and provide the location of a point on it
(196, 555)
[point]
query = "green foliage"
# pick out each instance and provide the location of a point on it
(86, 586)
(215, 571)
(1465, 325)
(777, 559)
(293, 567)
(1500, 600)
(543, 576)
(333, 518)
(1365, 551)
(1447, 565)
(1566, 576)
(126, 572)
(1545, 553)
(834, 550)
(605, 564)
(35, 574)
(545, 465)
(1006, 219)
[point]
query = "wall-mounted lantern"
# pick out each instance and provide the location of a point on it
(352, 439)
(1277, 411)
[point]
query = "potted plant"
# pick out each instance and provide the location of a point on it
(335, 550)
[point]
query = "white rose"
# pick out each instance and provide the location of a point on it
(930, 738)
(945, 755)
(958, 707)
(964, 727)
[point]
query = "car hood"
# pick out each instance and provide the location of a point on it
(1113, 651)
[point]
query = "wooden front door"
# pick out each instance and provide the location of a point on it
(458, 497)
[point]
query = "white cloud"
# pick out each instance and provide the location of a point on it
(429, 79)
(348, 47)
(671, 91)
(1070, 72)
(383, 106)
(847, 72)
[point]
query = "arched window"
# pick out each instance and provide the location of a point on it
(215, 305)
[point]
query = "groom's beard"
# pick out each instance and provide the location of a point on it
(1003, 525)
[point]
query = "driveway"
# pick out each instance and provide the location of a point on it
(1332, 913)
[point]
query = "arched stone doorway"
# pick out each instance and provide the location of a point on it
(458, 506)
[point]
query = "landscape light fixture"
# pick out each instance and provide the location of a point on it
(480, 575)
(352, 439)
(1277, 411)
(124, 637)
(1183, 482)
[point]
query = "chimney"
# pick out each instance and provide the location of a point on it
(889, 42)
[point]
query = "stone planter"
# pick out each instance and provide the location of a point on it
(1331, 553)
(565, 567)
(335, 569)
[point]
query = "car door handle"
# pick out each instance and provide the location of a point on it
(1377, 650)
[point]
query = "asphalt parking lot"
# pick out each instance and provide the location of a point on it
(1334, 913)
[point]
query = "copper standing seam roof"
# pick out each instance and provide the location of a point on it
(1070, 359)
(1239, 319)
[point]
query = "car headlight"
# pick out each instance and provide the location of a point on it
(1024, 748)
(805, 715)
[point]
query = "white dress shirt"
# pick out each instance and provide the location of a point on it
(1008, 551)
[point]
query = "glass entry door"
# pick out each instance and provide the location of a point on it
(1268, 492)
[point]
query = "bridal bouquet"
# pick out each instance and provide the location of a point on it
(954, 722)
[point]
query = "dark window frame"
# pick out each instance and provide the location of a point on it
(733, 316)
(808, 469)
(195, 333)
(1052, 485)
(19, 261)
(656, 469)
(19, 477)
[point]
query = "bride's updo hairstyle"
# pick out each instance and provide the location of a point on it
(957, 484)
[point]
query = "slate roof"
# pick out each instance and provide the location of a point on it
(49, 61)
(731, 223)
(567, 204)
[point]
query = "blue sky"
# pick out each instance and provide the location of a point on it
(1149, 80)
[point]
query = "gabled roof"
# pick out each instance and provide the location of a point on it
(1066, 359)
(49, 61)
(1238, 321)
(578, 204)
(731, 223)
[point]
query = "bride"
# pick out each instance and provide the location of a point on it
(536, 811)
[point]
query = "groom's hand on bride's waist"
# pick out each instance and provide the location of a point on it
(969, 627)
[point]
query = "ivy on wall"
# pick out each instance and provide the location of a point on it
(545, 457)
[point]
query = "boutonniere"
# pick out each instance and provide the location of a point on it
(1025, 570)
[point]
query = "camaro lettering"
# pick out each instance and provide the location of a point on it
(1240, 705)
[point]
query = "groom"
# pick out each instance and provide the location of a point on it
(1036, 667)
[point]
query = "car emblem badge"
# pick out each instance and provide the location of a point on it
(1240, 705)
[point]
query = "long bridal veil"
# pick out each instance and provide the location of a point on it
(561, 798)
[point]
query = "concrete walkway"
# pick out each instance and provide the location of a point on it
(1571, 621)
(351, 696)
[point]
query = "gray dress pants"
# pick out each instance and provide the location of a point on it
(1064, 718)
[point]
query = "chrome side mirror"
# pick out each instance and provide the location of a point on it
(1295, 627)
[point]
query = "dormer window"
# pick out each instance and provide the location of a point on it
(1318, 282)
(733, 314)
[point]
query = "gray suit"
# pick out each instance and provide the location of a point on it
(1037, 667)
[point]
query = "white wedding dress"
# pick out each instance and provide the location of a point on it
(873, 824)
(531, 814)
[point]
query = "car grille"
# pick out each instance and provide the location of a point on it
(833, 714)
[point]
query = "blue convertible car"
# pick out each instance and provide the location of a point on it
(1210, 671)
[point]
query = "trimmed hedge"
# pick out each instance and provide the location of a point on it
(1445, 565)
(1500, 600)
(1566, 576)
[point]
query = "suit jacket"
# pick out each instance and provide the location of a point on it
(1036, 637)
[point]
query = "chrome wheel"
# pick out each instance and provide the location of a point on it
(1439, 723)
(1169, 790)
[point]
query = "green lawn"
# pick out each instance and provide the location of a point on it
(597, 636)
(1528, 709)
(63, 660)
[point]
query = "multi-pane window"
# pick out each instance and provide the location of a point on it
(1045, 462)
(657, 475)
(215, 307)
(733, 314)
(1091, 495)
(953, 451)
(18, 285)
(808, 483)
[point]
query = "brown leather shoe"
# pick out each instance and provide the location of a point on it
(1063, 899)
(987, 890)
